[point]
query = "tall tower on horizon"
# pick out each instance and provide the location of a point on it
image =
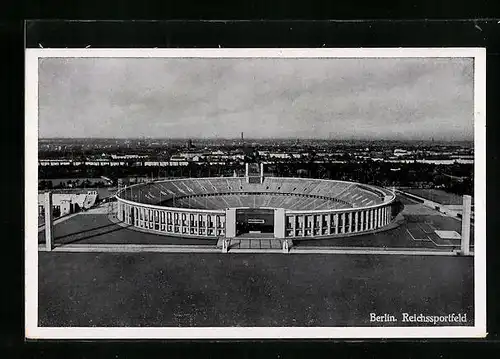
(242, 137)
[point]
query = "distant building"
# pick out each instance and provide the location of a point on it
(67, 203)
(126, 157)
(217, 153)
(400, 152)
(179, 157)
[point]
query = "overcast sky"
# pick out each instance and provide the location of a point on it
(264, 98)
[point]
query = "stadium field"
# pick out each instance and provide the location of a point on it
(436, 195)
(164, 289)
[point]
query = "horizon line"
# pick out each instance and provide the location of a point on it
(260, 138)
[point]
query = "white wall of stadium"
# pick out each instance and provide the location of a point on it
(299, 224)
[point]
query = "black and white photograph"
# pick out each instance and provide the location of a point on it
(255, 193)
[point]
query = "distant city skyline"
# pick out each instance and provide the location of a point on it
(238, 139)
(337, 99)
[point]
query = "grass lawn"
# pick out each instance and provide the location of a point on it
(164, 289)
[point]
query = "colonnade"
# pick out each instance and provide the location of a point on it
(287, 224)
(336, 223)
(167, 221)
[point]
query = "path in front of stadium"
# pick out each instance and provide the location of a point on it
(135, 248)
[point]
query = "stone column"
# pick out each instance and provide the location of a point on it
(279, 223)
(188, 218)
(304, 225)
(230, 223)
(466, 212)
(198, 223)
(225, 245)
(294, 225)
(118, 207)
(49, 239)
(313, 224)
(286, 246)
(329, 224)
(206, 224)
(344, 222)
(223, 224)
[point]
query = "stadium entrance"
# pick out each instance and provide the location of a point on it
(254, 221)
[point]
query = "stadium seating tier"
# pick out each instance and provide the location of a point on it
(273, 192)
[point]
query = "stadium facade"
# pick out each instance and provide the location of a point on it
(226, 207)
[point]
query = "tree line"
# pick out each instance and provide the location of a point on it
(455, 178)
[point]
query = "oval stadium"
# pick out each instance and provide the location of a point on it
(227, 207)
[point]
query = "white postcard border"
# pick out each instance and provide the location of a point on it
(33, 331)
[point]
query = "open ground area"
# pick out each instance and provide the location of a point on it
(437, 195)
(161, 289)
(416, 229)
(103, 192)
(99, 229)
